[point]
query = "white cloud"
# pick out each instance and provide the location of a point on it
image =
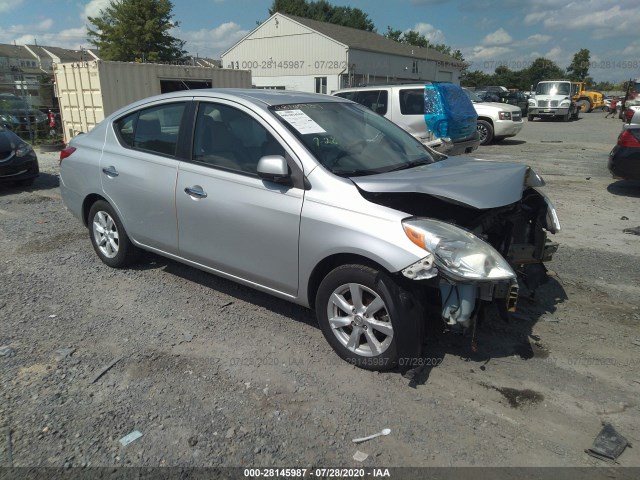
(537, 39)
(555, 54)
(488, 53)
(211, 43)
(71, 38)
(499, 37)
(44, 25)
(92, 8)
(7, 5)
(431, 33)
(535, 17)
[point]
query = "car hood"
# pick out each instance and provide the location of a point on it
(495, 106)
(464, 180)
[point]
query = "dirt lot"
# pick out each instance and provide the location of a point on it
(216, 374)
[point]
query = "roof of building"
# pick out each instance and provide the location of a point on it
(14, 51)
(44, 52)
(64, 54)
(371, 41)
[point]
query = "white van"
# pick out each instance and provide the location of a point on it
(438, 114)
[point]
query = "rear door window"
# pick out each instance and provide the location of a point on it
(412, 101)
(153, 129)
(376, 100)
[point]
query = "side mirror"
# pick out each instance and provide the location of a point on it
(274, 168)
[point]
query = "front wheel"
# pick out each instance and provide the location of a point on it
(108, 237)
(368, 319)
(485, 130)
(530, 118)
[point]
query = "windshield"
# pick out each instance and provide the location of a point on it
(472, 96)
(349, 139)
(553, 88)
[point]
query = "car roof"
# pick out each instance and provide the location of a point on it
(259, 96)
(262, 98)
(378, 87)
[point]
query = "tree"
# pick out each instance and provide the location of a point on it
(411, 37)
(136, 30)
(323, 11)
(475, 78)
(543, 69)
(579, 68)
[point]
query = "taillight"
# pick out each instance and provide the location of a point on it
(629, 138)
(66, 153)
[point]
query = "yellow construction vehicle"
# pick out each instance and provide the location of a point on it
(586, 100)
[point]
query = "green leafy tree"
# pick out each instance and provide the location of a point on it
(475, 78)
(579, 68)
(411, 37)
(543, 69)
(323, 11)
(136, 30)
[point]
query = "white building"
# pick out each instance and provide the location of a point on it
(295, 53)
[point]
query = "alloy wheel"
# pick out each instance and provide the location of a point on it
(360, 320)
(105, 233)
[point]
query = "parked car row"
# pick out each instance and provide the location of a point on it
(317, 200)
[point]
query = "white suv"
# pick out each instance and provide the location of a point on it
(437, 114)
(496, 121)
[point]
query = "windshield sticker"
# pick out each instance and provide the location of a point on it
(301, 121)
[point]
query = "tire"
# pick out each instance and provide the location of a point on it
(108, 236)
(584, 105)
(576, 114)
(530, 118)
(485, 130)
(368, 319)
(565, 118)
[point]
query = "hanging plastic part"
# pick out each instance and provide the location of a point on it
(458, 303)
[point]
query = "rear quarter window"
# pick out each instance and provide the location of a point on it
(412, 101)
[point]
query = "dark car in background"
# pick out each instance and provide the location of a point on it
(624, 159)
(18, 161)
(517, 98)
(17, 115)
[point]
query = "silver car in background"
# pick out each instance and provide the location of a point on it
(314, 199)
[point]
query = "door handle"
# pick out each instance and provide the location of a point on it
(195, 191)
(110, 171)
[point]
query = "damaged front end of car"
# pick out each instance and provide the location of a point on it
(483, 227)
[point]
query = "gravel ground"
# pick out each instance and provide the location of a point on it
(216, 374)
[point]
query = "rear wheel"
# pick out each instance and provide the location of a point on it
(485, 130)
(368, 319)
(108, 237)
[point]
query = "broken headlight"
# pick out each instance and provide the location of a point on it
(458, 254)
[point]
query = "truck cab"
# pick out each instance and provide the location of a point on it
(553, 99)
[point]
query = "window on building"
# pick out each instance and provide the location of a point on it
(321, 84)
(414, 68)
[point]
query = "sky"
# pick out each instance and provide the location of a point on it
(490, 33)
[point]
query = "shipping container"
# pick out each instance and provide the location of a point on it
(90, 91)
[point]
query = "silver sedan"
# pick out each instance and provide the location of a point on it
(314, 199)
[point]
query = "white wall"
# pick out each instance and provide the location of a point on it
(301, 83)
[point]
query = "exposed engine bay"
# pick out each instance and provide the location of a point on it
(517, 230)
